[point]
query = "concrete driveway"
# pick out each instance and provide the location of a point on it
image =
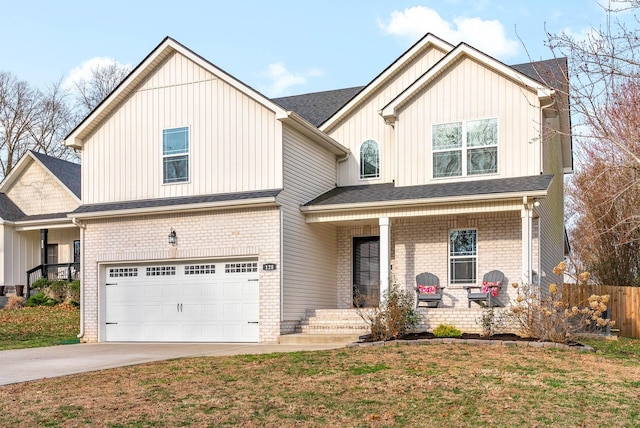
(22, 365)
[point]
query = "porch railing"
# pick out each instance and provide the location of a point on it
(53, 271)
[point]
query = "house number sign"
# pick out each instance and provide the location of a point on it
(269, 266)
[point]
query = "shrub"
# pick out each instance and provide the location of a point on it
(14, 302)
(41, 299)
(489, 322)
(73, 292)
(58, 289)
(395, 315)
(548, 317)
(446, 330)
(40, 284)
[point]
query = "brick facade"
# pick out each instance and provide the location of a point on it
(246, 233)
(421, 245)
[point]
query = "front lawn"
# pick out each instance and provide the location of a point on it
(38, 326)
(393, 385)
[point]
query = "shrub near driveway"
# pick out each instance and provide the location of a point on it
(393, 385)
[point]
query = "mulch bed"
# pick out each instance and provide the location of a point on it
(506, 337)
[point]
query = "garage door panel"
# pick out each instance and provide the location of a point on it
(201, 302)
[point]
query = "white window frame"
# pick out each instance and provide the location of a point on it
(450, 257)
(360, 163)
(464, 148)
(187, 153)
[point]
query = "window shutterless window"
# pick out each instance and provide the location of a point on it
(465, 148)
(369, 160)
(463, 256)
(175, 155)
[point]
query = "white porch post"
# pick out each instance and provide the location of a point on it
(385, 254)
(527, 215)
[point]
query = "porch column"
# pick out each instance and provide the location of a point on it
(527, 216)
(385, 255)
(44, 241)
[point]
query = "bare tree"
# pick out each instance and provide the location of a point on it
(52, 121)
(604, 90)
(103, 80)
(18, 107)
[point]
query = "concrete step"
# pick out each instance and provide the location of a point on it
(308, 338)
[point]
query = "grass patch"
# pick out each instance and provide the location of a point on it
(38, 326)
(401, 385)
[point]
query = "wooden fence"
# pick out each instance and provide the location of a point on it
(624, 304)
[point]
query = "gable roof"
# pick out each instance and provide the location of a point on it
(67, 172)
(166, 48)
(64, 172)
(462, 50)
(428, 41)
(388, 194)
(317, 107)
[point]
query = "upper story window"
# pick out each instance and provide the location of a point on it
(175, 155)
(465, 148)
(369, 160)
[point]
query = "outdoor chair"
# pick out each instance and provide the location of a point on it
(428, 290)
(486, 295)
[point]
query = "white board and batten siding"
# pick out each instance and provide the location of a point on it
(198, 301)
(234, 141)
(21, 253)
(365, 123)
(470, 91)
(309, 251)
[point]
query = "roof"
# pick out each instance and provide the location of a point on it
(8, 210)
(551, 72)
(317, 107)
(386, 192)
(67, 172)
(241, 197)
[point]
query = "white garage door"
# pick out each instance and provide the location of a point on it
(182, 302)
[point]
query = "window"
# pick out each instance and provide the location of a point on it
(76, 251)
(465, 148)
(52, 254)
(240, 267)
(123, 272)
(463, 256)
(161, 271)
(175, 155)
(369, 160)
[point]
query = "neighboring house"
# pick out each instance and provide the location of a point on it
(212, 213)
(35, 198)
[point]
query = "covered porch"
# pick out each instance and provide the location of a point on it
(456, 231)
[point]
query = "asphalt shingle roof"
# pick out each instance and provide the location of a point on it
(67, 172)
(317, 107)
(8, 210)
(168, 202)
(389, 192)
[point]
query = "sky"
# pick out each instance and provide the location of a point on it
(278, 47)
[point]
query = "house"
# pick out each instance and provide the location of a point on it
(212, 213)
(35, 198)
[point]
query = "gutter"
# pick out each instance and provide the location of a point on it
(258, 202)
(413, 202)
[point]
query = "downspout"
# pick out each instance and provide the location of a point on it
(542, 108)
(281, 267)
(339, 161)
(82, 307)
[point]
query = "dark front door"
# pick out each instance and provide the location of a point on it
(366, 271)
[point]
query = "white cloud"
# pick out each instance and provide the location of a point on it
(282, 79)
(485, 35)
(84, 70)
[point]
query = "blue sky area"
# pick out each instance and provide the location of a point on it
(277, 47)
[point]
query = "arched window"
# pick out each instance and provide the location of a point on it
(369, 160)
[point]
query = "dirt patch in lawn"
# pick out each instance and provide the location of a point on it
(397, 385)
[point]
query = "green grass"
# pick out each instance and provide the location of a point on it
(38, 326)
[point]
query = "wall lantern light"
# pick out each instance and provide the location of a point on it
(173, 238)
